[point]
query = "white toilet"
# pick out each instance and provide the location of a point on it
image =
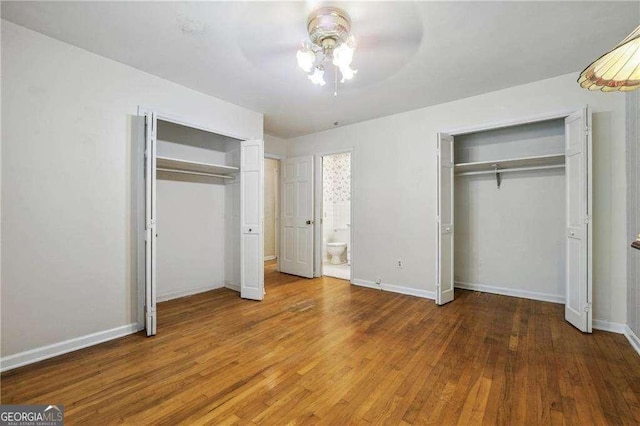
(336, 250)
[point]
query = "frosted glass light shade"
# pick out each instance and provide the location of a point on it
(317, 77)
(306, 58)
(616, 70)
(347, 73)
(342, 55)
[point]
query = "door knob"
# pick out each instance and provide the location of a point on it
(309, 222)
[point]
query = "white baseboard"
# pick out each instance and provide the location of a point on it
(544, 297)
(632, 338)
(183, 293)
(231, 286)
(272, 257)
(45, 352)
(614, 327)
(395, 289)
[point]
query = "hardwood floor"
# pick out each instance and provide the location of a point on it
(323, 351)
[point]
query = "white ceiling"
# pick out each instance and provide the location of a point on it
(410, 54)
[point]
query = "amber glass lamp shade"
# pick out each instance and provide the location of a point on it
(617, 70)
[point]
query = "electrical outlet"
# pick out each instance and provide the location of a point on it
(399, 264)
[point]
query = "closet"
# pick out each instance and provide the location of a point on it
(514, 212)
(203, 213)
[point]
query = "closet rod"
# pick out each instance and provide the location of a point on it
(186, 172)
(514, 169)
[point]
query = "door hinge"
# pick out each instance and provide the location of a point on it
(587, 219)
(587, 308)
(151, 223)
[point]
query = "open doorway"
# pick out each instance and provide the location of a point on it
(271, 213)
(336, 216)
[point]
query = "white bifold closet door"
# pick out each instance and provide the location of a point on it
(579, 279)
(444, 232)
(252, 219)
(297, 217)
(150, 236)
(579, 199)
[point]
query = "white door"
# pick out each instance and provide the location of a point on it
(444, 232)
(296, 243)
(252, 220)
(579, 207)
(150, 224)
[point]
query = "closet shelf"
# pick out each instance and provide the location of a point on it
(194, 167)
(540, 162)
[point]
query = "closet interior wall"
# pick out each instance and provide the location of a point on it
(195, 214)
(511, 240)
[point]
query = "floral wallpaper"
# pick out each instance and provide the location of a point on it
(336, 178)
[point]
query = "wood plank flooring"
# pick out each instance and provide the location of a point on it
(323, 351)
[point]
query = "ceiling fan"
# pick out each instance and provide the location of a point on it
(330, 42)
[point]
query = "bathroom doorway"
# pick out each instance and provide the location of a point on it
(336, 216)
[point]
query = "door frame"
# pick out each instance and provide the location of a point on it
(317, 270)
(559, 114)
(563, 113)
(279, 158)
(138, 193)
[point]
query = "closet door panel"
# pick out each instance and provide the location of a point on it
(150, 223)
(578, 211)
(445, 231)
(251, 220)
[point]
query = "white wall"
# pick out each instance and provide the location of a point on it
(191, 239)
(512, 239)
(275, 146)
(232, 222)
(68, 251)
(394, 181)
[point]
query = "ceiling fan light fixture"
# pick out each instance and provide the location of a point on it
(342, 55)
(306, 58)
(347, 73)
(318, 76)
(330, 41)
(616, 70)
